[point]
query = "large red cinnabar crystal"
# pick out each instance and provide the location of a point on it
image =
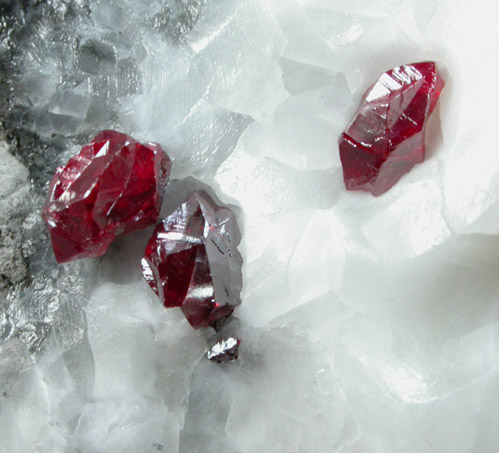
(113, 186)
(386, 137)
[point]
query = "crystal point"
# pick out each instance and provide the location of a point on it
(386, 137)
(225, 350)
(114, 185)
(192, 261)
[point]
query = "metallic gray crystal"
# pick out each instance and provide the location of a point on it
(225, 350)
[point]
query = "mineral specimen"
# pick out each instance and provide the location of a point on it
(387, 136)
(113, 186)
(225, 350)
(192, 261)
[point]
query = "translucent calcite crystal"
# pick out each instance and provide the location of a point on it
(387, 135)
(114, 185)
(192, 261)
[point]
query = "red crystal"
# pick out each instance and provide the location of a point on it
(192, 261)
(386, 137)
(113, 186)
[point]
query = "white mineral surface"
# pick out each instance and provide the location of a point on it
(367, 324)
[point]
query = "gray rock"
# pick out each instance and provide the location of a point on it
(14, 193)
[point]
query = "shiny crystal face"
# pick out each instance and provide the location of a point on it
(225, 350)
(113, 186)
(387, 136)
(192, 261)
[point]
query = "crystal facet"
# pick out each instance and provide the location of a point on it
(386, 137)
(113, 186)
(192, 261)
(225, 350)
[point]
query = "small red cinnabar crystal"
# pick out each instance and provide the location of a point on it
(114, 185)
(387, 136)
(192, 261)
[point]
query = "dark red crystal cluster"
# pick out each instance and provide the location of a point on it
(113, 186)
(192, 261)
(387, 135)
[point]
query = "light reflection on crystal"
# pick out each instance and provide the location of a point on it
(225, 350)
(113, 186)
(192, 261)
(387, 136)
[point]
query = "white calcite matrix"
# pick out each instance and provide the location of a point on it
(368, 325)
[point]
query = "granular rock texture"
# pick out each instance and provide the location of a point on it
(14, 193)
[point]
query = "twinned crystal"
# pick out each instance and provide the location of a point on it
(192, 261)
(114, 185)
(387, 136)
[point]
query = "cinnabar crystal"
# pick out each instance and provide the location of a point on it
(114, 185)
(192, 261)
(387, 135)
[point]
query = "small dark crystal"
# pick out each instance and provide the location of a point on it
(225, 350)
